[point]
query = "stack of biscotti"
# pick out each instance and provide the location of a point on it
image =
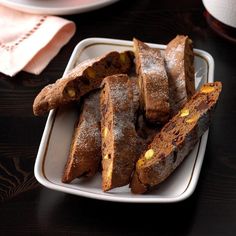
(176, 139)
(83, 79)
(85, 152)
(119, 104)
(179, 59)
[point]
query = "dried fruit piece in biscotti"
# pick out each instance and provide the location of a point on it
(153, 82)
(118, 103)
(176, 139)
(179, 59)
(85, 152)
(84, 78)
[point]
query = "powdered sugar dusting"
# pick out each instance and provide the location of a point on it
(174, 55)
(119, 94)
(171, 61)
(121, 101)
(152, 62)
(180, 48)
(118, 130)
(176, 65)
(119, 97)
(88, 133)
(89, 128)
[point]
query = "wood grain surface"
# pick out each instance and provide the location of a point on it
(27, 208)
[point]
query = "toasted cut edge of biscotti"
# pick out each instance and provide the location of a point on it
(176, 139)
(84, 78)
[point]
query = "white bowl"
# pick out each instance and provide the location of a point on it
(222, 10)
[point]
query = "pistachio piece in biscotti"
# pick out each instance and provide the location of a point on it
(184, 112)
(84, 78)
(149, 154)
(192, 119)
(207, 89)
(71, 92)
(105, 131)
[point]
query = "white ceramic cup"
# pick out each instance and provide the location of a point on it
(222, 10)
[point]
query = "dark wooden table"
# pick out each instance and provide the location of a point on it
(27, 208)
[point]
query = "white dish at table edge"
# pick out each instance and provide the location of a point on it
(55, 7)
(194, 159)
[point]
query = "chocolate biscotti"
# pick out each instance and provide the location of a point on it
(153, 82)
(84, 78)
(85, 152)
(179, 59)
(176, 139)
(118, 103)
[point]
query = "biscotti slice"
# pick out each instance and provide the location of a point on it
(85, 152)
(153, 82)
(84, 78)
(176, 139)
(118, 103)
(179, 59)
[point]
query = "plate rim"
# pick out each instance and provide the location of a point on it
(38, 168)
(57, 10)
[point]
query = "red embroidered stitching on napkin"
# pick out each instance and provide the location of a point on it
(25, 36)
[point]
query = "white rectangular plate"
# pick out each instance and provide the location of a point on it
(55, 143)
